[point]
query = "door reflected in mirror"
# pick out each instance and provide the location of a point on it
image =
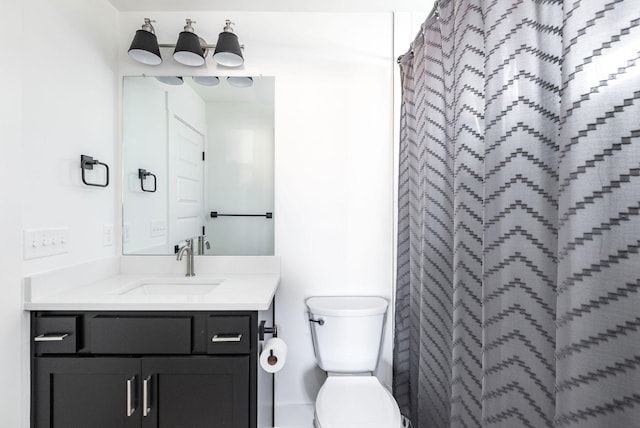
(198, 161)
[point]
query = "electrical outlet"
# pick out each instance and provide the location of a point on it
(126, 233)
(107, 235)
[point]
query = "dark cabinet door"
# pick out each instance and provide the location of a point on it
(196, 392)
(86, 392)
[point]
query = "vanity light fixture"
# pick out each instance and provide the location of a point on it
(144, 46)
(190, 49)
(237, 81)
(170, 80)
(228, 51)
(206, 80)
(240, 81)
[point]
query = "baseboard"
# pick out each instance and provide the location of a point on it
(294, 416)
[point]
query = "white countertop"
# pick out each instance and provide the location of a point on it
(249, 288)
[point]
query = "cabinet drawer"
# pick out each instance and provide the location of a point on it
(229, 335)
(140, 335)
(56, 335)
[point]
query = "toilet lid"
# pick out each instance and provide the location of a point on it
(356, 402)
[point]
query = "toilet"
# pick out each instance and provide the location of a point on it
(347, 332)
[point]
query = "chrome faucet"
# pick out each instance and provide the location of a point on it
(203, 243)
(187, 248)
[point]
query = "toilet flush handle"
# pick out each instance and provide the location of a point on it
(319, 321)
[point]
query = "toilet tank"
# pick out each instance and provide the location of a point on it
(347, 332)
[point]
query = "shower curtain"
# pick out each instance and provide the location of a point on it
(519, 216)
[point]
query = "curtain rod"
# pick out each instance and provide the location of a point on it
(434, 12)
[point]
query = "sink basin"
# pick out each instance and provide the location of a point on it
(166, 288)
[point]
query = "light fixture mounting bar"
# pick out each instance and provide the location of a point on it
(173, 45)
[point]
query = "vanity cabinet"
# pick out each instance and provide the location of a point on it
(141, 369)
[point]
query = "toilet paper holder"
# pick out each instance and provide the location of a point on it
(262, 330)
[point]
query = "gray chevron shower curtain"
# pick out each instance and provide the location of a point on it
(518, 277)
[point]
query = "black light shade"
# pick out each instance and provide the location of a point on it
(144, 48)
(188, 50)
(228, 52)
(206, 80)
(170, 80)
(240, 81)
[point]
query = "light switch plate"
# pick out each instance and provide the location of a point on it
(45, 242)
(158, 228)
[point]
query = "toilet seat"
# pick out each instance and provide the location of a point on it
(356, 402)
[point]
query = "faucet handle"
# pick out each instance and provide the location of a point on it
(203, 243)
(187, 243)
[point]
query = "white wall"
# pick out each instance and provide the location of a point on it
(11, 395)
(333, 162)
(58, 91)
(70, 90)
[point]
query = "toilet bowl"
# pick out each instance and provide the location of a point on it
(347, 333)
(355, 402)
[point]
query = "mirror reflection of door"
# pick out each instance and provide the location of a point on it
(166, 129)
(186, 178)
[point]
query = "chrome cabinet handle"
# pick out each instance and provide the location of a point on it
(146, 408)
(226, 338)
(51, 337)
(130, 406)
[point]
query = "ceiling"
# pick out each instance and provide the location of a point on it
(273, 5)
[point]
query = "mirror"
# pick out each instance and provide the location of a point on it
(197, 161)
